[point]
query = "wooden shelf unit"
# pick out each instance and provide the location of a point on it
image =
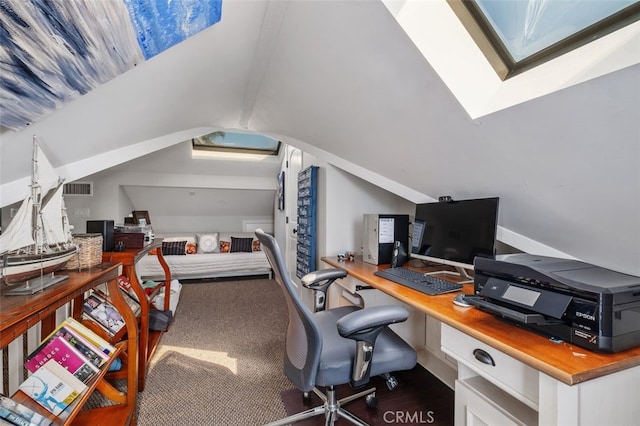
(149, 339)
(20, 313)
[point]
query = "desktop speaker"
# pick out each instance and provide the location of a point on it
(399, 255)
(104, 227)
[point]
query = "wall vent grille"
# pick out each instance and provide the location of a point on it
(81, 189)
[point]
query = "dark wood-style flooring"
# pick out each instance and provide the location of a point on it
(419, 399)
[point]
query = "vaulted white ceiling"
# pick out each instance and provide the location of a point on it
(343, 80)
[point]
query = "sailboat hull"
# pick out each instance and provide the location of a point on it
(20, 268)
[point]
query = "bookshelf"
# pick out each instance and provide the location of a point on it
(21, 313)
(149, 339)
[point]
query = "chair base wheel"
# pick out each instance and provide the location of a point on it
(371, 400)
(391, 381)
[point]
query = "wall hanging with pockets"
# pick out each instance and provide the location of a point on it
(307, 195)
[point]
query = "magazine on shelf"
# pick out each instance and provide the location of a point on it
(18, 414)
(103, 292)
(61, 351)
(125, 284)
(104, 313)
(97, 340)
(9, 417)
(53, 387)
(90, 351)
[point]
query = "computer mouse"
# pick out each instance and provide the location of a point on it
(459, 300)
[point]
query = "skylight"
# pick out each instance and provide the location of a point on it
(462, 64)
(239, 143)
(518, 35)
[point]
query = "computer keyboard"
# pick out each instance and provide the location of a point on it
(417, 281)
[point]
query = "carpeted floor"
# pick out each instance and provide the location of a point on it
(221, 361)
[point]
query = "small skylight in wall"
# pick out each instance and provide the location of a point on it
(238, 143)
(518, 35)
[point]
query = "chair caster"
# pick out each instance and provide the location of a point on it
(306, 397)
(371, 400)
(392, 382)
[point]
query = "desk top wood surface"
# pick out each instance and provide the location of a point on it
(563, 361)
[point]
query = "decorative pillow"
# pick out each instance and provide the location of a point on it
(190, 248)
(256, 245)
(241, 245)
(225, 246)
(172, 248)
(208, 243)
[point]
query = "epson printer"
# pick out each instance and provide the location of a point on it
(588, 306)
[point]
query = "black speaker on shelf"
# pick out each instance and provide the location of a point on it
(399, 255)
(104, 227)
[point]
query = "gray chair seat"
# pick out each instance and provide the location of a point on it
(390, 353)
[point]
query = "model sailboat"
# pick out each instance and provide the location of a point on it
(38, 240)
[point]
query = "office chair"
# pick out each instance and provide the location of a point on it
(331, 347)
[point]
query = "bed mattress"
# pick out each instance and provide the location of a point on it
(205, 265)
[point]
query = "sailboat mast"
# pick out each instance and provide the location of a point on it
(35, 196)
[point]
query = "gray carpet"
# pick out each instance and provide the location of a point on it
(221, 361)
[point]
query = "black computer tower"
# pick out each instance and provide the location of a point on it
(104, 227)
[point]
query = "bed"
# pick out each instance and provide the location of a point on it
(206, 255)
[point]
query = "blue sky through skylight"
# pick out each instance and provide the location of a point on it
(528, 26)
(237, 141)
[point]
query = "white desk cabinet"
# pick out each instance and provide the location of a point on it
(507, 391)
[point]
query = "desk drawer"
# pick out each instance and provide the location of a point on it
(509, 374)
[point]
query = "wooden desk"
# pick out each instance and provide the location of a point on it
(20, 313)
(149, 339)
(565, 363)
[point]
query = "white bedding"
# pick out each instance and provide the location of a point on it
(205, 265)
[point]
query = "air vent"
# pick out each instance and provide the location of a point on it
(81, 189)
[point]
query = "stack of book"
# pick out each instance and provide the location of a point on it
(66, 360)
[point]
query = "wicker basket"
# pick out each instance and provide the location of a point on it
(89, 252)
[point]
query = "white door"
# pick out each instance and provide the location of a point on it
(294, 166)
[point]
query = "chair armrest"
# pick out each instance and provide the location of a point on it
(312, 279)
(365, 324)
(319, 281)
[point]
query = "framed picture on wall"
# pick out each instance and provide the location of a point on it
(281, 190)
(141, 217)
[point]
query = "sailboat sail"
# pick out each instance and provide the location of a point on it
(14, 237)
(45, 175)
(53, 231)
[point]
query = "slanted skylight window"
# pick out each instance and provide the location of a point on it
(233, 142)
(516, 35)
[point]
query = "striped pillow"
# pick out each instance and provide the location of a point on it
(241, 245)
(172, 248)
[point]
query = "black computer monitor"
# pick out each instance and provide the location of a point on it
(455, 232)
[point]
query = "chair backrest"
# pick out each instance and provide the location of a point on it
(303, 339)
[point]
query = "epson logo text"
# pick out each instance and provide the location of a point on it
(585, 316)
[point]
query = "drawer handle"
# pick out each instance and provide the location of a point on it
(483, 357)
